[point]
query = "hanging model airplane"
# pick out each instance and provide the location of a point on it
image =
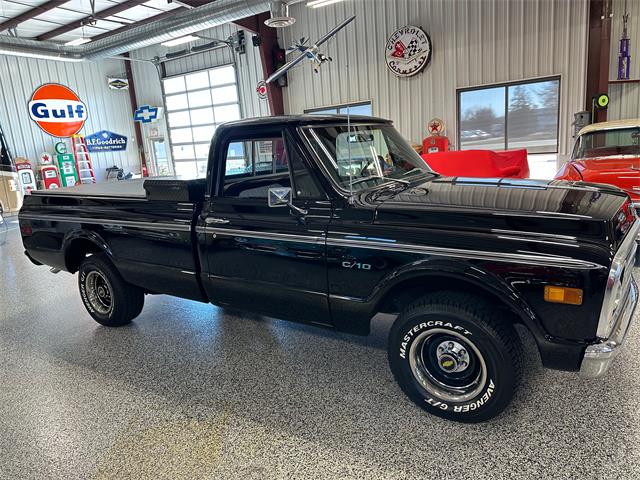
(311, 53)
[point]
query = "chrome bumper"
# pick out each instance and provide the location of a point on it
(598, 357)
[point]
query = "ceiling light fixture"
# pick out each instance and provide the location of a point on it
(39, 56)
(321, 3)
(77, 41)
(179, 41)
(280, 17)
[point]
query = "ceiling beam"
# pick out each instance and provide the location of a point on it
(29, 14)
(101, 15)
(137, 24)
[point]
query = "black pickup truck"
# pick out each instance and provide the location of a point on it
(331, 220)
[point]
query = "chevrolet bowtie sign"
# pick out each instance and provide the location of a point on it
(146, 114)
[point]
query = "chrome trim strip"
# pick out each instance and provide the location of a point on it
(534, 234)
(285, 237)
(40, 193)
(112, 223)
(536, 240)
(520, 258)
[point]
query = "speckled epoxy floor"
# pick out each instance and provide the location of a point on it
(192, 391)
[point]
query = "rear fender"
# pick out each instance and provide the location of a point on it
(76, 246)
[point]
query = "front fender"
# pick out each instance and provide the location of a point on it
(427, 271)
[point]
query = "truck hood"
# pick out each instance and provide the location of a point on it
(623, 172)
(576, 210)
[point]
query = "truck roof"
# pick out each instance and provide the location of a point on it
(305, 119)
(612, 125)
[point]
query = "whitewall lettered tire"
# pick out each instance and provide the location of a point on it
(455, 356)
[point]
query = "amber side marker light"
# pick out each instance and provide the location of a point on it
(566, 295)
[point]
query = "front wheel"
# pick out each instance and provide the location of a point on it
(455, 357)
(108, 298)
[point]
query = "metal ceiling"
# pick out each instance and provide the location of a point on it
(60, 21)
(178, 24)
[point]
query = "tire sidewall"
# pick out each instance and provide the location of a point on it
(499, 385)
(90, 266)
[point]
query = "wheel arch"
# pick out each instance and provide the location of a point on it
(406, 288)
(81, 244)
(410, 287)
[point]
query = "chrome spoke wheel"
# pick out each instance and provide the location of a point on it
(99, 292)
(448, 365)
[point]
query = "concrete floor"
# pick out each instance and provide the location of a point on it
(192, 391)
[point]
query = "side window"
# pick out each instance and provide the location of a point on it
(238, 160)
(253, 166)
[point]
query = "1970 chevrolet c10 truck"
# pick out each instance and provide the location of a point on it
(330, 220)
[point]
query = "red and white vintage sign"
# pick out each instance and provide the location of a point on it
(262, 89)
(408, 51)
(435, 126)
(57, 110)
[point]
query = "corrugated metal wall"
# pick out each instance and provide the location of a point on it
(249, 70)
(108, 109)
(625, 98)
(475, 42)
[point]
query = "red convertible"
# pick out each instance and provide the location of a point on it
(607, 152)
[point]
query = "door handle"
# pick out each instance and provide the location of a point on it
(215, 221)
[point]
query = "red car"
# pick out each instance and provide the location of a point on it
(479, 163)
(607, 152)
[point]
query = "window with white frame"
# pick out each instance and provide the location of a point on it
(196, 104)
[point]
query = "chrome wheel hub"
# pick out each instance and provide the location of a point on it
(452, 357)
(448, 365)
(98, 292)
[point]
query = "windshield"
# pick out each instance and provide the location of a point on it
(608, 143)
(365, 156)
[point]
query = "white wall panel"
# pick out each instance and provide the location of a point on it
(108, 109)
(475, 42)
(625, 98)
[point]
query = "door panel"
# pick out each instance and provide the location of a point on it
(267, 259)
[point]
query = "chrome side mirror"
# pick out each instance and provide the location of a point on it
(279, 197)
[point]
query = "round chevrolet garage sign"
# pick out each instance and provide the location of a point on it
(57, 110)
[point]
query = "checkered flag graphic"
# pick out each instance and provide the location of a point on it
(412, 48)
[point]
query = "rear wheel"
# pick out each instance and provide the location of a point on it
(455, 356)
(108, 298)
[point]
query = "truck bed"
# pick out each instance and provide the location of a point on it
(122, 189)
(171, 189)
(147, 225)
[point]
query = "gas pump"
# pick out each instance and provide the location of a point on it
(48, 172)
(66, 165)
(436, 141)
(26, 175)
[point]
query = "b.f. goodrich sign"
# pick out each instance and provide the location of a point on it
(105, 141)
